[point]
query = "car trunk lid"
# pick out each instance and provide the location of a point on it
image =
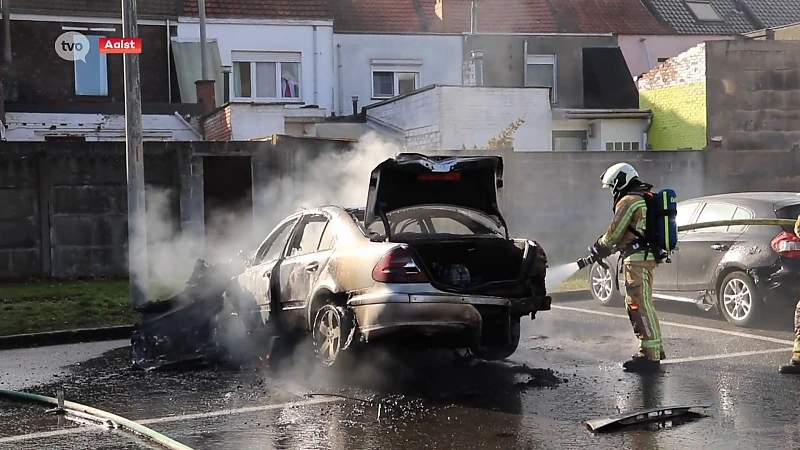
(412, 179)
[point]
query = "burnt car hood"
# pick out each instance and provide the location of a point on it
(412, 179)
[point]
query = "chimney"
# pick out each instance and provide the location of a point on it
(769, 34)
(354, 98)
(473, 17)
(206, 95)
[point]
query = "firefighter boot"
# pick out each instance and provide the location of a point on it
(793, 367)
(641, 364)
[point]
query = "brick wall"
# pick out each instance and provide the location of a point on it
(217, 126)
(47, 79)
(676, 92)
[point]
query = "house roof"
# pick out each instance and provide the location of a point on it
(607, 16)
(98, 8)
(677, 14)
(261, 9)
(774, 13)
(497, 16)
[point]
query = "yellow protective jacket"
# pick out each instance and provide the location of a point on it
(797, 227)
(630, 211)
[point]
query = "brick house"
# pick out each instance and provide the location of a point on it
(741, 94)
(53, 98)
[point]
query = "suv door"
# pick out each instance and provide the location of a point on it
(703, 249)
(666, 275)
(257, 278)
(306, 256)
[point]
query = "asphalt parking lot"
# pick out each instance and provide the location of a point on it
(566, 371)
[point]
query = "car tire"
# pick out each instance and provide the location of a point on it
(739, 300)
(332, 333)
(601, 286)
(501, 352)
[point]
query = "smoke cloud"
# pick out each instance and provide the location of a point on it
(320, 177)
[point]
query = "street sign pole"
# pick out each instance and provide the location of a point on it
(137, 223)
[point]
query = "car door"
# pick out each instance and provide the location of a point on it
(666, 275)
(306, 255)
(257, 277)
(703, 249)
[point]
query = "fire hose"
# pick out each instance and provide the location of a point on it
(594, 257)
(95, 414)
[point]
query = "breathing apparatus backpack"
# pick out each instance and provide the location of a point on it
(661, 231)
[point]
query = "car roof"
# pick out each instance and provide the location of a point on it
(775, 198)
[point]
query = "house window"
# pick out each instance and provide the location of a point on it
(569, 141)
(540, 71)
(266, 76)
(91, 74)
(622, 146)
(394, 77)
(704, 12)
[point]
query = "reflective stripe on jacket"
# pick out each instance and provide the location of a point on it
(630, 210)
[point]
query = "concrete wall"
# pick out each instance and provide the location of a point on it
(553, 197)
(658, 47)
(467, 117)
(676, 92)
(754, 93)
(440, 57)
(504, 60)
(316, 85)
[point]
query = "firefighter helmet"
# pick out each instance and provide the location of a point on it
(618, 176)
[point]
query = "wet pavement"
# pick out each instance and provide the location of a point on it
(567, 370)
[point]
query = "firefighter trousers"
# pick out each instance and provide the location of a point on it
(639, 304)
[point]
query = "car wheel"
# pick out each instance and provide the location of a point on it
(739, 300)
(332, 333)
(601, 285)
(500, 352)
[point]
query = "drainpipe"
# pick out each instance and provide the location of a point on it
(339, 76)
(169, 67)
(315, 73)
(643, 40)
(201, 6)
(10, 81)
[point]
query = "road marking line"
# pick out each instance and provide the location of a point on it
(683, 325)
(787, 350)
(176, 418)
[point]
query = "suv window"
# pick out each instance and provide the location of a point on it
(685, 213)
(309, 235)
(713, 212)
(741, 213)
(275, 243)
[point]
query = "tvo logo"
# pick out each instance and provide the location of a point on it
(72, 46)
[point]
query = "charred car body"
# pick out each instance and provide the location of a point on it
(428, 262)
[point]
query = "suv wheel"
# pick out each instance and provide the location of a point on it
(601, 285)
(739, 300)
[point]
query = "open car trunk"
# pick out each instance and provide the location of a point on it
(495, 267)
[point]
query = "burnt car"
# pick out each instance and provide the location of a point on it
(427, 263)
(739, 270)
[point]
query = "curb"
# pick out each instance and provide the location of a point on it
(571, 296)
(81, 335)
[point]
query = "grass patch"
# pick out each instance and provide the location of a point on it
(579, 281)
(55, 305)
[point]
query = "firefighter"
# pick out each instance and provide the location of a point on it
(625, 234)
(794, 363)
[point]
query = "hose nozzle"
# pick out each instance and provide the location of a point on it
(593, 257)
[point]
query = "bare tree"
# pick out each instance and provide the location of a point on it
(504, 140)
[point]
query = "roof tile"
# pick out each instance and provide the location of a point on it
(607, 16)
(775, 13)
(678, 14)
(262, 9)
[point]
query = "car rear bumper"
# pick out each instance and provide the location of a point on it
(779, 282)
(431, 315)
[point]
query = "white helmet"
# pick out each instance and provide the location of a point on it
(618, 176)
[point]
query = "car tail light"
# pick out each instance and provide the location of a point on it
(398, 266)
(786, 244)
(539, 268)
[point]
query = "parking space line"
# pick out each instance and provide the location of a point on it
(682, 325)
(787, 350)
(175, 418)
